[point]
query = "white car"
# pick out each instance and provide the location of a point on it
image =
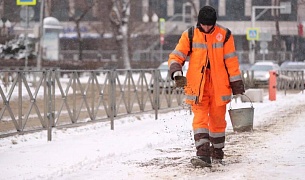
(293, 66)
(260, 71)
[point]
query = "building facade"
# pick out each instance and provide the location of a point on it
(237, 15)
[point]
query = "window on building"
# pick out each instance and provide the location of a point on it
(275, 12)
(159, 7)
(222, 8)
(187, 13)
(95, 10)
(10, 11)
(235, 11)
(248, 7)
(178, 7)
(82, 6)
(213, 3)
(57, 10)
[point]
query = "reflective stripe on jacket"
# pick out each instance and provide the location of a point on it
(223, 63)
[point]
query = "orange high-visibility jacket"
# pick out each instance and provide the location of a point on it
(223, 63)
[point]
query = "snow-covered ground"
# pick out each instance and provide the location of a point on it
(141, 147)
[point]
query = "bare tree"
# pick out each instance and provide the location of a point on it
(85, 7)
(119, 17)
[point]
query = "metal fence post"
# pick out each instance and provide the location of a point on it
(74, 96)
(129, 76)
(49, 104)
(142, 76)
(53, 96)
(112, 98)
(93, 75)
(156, 92)
(20, 101)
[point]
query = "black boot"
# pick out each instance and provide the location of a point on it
(203, 158)
(202, 161)
(217, 155)
(204, 150)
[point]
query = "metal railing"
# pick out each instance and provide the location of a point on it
(41, 100)
(291, 80)
(286, 80)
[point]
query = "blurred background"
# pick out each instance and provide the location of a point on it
(124, 34)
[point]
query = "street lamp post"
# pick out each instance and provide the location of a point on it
(162, 32)
(253, 19)
(39, 56)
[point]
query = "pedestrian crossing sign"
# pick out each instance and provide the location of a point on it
(26, 2)
(252, 34)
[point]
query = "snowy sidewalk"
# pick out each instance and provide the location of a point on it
(141, 147)
(277, 153)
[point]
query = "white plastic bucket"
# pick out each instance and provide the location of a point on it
(242, 118)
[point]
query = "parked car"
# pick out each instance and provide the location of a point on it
(165, 81)
(293, 66)
(260, 72)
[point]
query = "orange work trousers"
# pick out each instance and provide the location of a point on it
(206, 114)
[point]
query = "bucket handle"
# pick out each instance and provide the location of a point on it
(242, 95)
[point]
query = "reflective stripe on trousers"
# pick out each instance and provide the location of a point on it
(209, 122)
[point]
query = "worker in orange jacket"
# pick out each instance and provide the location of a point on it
(212, 76)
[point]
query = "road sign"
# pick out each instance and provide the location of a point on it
(264, 51)
(252, 34)
(287, 9)
(26, 2)
(27, 13)
(162, 25)
(265, 36)
(263, 45)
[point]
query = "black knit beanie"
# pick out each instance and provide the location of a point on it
(207, 16)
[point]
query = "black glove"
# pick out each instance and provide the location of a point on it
(180, 81)
(237, 87)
